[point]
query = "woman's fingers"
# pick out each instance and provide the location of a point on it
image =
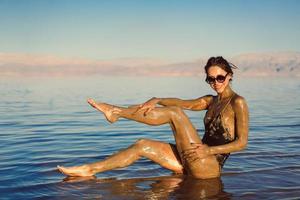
(145, 107)
(147, 111)
(192, 157)
(189, 150)
(197, 145)
(189, 154)
(198, 151)
(193, 160)
(139, 107)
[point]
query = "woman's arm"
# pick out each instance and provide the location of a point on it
(200, 103)
(195, 104)
(241, 122)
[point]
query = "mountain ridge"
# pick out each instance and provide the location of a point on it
(250, 64)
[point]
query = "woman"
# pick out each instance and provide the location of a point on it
(226, 129)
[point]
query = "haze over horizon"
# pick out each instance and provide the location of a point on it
(171, 31)
(251, 64)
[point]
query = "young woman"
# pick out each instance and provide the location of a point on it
(226, 129)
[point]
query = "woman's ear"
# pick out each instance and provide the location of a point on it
(230, 77)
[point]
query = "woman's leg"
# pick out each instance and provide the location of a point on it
(184, 132)
(163, 154)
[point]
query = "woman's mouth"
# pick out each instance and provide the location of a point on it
(217, 87)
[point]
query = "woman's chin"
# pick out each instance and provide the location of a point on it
(219, 90)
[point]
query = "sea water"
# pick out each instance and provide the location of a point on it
(45, 122)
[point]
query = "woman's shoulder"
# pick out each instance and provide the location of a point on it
(238, 98)
(238, 101)
(208, 98)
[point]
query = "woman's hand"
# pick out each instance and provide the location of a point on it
(148, 105)
(197, 151)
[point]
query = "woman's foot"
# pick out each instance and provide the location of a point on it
(109, 111)
(82, 171)
(75, 179)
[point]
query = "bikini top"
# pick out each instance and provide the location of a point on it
(215, 133)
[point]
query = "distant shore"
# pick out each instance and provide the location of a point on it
(279, 64)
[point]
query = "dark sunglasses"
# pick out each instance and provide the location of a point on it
(219, 79)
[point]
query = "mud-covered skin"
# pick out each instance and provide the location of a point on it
(189, 155)
(217, 131)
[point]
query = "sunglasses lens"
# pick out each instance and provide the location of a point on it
(210, 80)
(220, 78)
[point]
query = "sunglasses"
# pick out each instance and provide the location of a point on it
(219, 79)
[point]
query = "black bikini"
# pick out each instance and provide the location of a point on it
(216, 134)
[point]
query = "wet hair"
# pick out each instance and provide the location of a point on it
(220, 62)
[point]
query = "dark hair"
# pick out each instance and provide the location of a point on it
(220, 62)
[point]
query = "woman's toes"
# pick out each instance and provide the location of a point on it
(91, 102)
(62, 170)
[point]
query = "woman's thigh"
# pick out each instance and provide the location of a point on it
(204, 168)
(164, 154)
(167, 155)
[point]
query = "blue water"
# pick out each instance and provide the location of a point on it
(45, 122)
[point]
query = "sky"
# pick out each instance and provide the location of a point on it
(162, 29)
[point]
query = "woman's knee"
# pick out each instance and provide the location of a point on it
(176, 112)
(142, 144)
(175, 109)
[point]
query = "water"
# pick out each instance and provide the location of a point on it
(45, 122)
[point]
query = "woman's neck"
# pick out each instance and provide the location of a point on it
(226, 93)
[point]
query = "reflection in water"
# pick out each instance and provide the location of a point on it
(167, 187)
(46, 122)
(191, 188)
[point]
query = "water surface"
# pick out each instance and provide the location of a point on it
(45, 122)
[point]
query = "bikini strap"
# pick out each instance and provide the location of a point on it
(227, 103)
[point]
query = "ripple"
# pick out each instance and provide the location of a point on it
(47, 123)
(283, 126)
(267, 169)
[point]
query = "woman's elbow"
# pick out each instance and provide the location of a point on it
(243, 145)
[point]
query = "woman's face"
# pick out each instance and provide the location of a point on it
(215, 71)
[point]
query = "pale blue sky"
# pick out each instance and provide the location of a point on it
(166, 29)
